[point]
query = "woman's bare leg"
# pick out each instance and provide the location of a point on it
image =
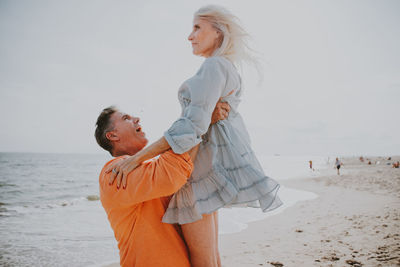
(200, 239)
(215, 214)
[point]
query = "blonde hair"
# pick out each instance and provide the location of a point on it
(234, 44)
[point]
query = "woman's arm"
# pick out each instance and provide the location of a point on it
(153, 150)
(122, 168)
(206, 88)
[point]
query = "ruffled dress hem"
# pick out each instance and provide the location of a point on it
(222, 188)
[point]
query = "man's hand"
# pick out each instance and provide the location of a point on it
(221, 112)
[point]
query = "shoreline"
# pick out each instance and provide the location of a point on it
(354, 221)
(236, 219)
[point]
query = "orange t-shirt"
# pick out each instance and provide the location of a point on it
(135, 213)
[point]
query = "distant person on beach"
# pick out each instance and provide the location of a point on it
(226, 170)
(310, 163)
(135, 213)
(338, 164)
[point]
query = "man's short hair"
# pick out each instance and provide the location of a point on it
(103, 125)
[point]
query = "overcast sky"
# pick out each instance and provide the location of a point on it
(331, 72)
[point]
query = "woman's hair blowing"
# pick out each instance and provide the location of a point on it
(234, 43)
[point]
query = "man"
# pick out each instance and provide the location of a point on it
(338, 164)
(135, 213)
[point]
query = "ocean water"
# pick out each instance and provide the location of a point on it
(49, 215)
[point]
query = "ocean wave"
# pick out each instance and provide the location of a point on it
(12, 192)
(27, 208)
(93, 197)
(4, 212)
(16, 165)
(3, 184)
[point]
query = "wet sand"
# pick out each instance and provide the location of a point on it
(355, 221)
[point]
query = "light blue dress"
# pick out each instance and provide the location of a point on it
(226, 171)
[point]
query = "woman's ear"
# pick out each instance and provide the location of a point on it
(219, 38)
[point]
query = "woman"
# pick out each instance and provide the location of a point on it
(226, 170)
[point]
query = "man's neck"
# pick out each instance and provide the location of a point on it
(119, 153)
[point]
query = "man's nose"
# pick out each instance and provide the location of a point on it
(190, 37)
(136, 119)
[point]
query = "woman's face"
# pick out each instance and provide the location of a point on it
(204, 38)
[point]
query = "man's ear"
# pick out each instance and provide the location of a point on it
(112, 136)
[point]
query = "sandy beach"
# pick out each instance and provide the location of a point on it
(355, 221)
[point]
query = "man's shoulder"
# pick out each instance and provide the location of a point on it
(109, 162)
(103, 174)
(166, 156)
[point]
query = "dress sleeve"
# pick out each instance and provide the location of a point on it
(205, 89)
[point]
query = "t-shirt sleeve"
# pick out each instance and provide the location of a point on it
(205, 89)
(154, 179)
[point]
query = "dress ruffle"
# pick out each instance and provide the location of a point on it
(226, 173)
(219, 189)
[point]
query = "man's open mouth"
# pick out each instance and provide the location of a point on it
(139, 129)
